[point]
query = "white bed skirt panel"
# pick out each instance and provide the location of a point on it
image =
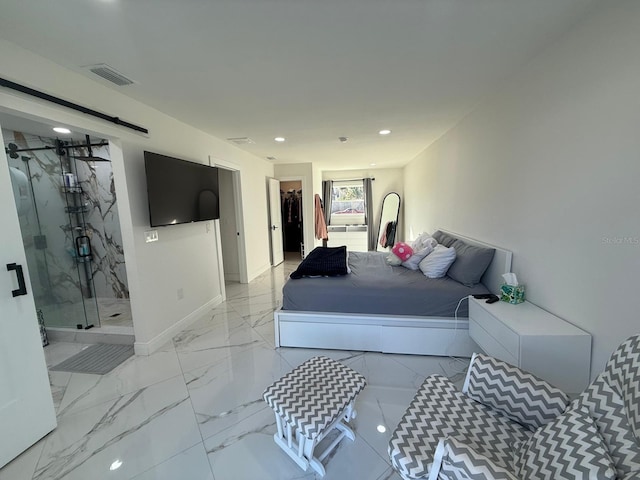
(374, 333)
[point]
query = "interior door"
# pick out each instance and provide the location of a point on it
(26, 405)
(275, 222)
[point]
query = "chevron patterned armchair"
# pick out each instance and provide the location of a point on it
(508, 424)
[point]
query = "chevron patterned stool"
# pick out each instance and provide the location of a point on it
(309, 402)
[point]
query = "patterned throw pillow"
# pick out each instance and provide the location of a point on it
(517, 394)
(568, 447)
(460, 461)
(606, 407)
(402, 251)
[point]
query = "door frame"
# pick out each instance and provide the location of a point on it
(308, 246)
(236, 175)
(46, 114)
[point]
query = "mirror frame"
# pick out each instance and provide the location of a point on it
(384, 200)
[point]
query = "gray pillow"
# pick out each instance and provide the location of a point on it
(443, 238)
(471, 263)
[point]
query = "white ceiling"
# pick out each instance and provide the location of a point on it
(308, 70)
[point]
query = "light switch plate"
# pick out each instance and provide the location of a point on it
(151, 236)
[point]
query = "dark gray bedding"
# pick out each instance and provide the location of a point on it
(373, 286)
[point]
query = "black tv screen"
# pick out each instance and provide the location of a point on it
(180, 191)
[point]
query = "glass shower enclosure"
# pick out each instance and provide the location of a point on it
(52, 212)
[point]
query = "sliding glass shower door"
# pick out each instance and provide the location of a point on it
(51, 211)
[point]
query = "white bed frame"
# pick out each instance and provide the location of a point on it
(386, 333)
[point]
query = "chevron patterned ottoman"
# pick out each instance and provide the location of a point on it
(309, 402)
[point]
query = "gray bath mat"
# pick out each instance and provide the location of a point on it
(98, 359)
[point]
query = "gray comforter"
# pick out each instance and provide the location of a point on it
(373, 286)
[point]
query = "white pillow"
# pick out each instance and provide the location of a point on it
(436, 264)
(415, 259)
(424, 240)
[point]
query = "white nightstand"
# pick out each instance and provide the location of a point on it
(535, 340)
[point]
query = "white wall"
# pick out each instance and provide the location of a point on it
(304, 172)
(386, 180)
(549, 168)
(185, 257)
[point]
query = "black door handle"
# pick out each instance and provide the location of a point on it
(23, 287)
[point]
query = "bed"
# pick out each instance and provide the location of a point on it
(396, 313)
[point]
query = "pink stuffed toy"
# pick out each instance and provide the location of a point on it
(402, 251)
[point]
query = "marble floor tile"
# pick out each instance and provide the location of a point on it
(139, 430)
(379, 412)
(390, 474)
(296, 356)
(202, 347)
(23, 466)
(259, 313)
(86, 390)
(190, 464)
(383, 370)
(229, 391)
(267, 332)
(59, 382)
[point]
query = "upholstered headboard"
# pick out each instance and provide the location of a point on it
(500, 264)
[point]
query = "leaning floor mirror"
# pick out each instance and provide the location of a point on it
(388, 226)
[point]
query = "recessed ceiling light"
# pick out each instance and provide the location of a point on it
(384, 132)
(381, 428)
(279, 139)
(372, 164)
(66, 131)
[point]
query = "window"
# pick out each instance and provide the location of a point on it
(347, 203)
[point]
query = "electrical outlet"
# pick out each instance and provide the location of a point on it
(180, 294)
(151, 236)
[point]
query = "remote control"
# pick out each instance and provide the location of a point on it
(483, 296)
(493, 299)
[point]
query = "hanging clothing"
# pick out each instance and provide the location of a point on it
(388, 236)
(292, 220)
(321, 227)
(383, 237)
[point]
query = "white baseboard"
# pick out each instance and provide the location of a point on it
(256, 273)
(147, 348)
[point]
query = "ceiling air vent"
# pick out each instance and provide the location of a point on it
(108, 73)
(241, 140)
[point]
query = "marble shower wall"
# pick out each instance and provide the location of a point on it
(54, 273)
(103, 225)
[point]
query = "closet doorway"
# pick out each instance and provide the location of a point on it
(292, 219)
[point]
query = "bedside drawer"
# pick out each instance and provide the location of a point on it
(490, 345)
(505, 337)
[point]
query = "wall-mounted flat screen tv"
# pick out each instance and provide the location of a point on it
(180, 191)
